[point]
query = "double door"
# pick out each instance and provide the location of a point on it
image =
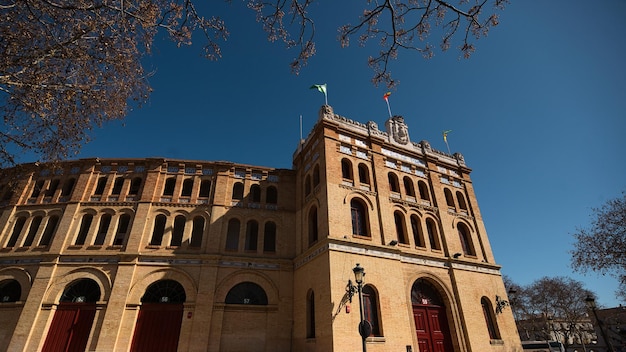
(431, 327)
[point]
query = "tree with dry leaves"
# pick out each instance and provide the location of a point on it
(67, 66)
(602, 246)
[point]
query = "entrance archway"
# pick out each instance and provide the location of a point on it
(431, 322)
(73, 318)
(160, 317)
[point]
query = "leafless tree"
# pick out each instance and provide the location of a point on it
(602, 246)
(67, 66)
(552, 308)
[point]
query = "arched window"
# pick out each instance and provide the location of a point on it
(408, 186)
(238, 191)
(400, 232)
(252, 235)
(32, 231)
(164, 291)
(122, 230)
(177, 231)
(271, 195)
(466, 240)
(433, 234)
(310, 315)
(449, 198)
(490, 319)
(269, 237)
(81, 291)
(307, 185)
(54, 184)
(17, 229)
(10, 291)
(394, 185)
(117, 186)
(158, 230)
(316, 175)
(187, 187)
(232, 235)
(418, 234)
(371, 309)
(135, 186)
(364, 174)
(85, 224)
(105, 222)
(255, 193)
(359, 218)
(197, 231)
(68, 187)
(205, 188)
(346, 169)
(102, 182)
(313, 229)
(423, 189)
(461, 199)
(49, 231)
(246, 293)
(170, 184)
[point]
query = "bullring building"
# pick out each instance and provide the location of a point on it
(181, 255)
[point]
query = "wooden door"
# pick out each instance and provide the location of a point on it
(158, 327)
(431, 327)
(70, 328)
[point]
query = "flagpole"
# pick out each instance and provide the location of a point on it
(300, 128)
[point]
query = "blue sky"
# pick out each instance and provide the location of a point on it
(539, 112)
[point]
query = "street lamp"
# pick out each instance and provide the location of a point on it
(591, 304)
(365, 328)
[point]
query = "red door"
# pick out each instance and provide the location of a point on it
(158, 327)
(70, 327)
(431, 327)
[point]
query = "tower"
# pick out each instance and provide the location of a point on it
(408, 215)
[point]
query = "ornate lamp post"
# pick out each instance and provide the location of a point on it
(365, 328)
(591, 304)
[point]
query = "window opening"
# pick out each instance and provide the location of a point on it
(105, 221)
(32, 231)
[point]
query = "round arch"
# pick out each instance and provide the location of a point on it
(457, 221)
(20, 275)
(58, 286)
(138, 288)
(271, 290)
(360, 195)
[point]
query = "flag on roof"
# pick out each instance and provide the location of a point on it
(445, 135)
(386, 96)
(321, 88)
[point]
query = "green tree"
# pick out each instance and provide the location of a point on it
(67, 66)
(602, 246)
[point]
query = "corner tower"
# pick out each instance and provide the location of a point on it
(408, 215)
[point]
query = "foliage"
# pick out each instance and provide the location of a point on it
(602, 247)
(550, 308)
(67, 66)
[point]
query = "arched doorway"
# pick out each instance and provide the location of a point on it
(73, 318)
(160, 317)
(431, 323)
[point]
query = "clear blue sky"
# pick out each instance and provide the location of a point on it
(539, 112)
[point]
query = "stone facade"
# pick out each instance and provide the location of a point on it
(232, 257)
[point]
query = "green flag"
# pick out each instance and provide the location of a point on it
(321, 88)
